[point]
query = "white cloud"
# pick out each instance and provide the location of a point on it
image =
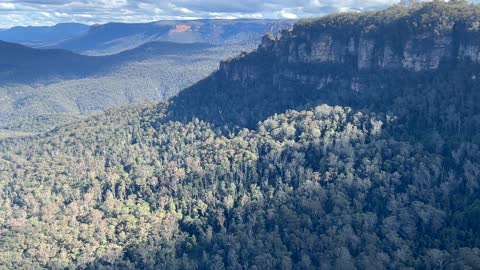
(287, 15)
(180, 9)
(86, 16)
(113, 3)
(7, 6)
(232, 16)
(344, 9)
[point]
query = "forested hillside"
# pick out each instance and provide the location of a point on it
(36, 99)
(324, 188)
(23, 65)
(327, 148)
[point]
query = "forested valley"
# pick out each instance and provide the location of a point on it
(349, 142)
(38, 101)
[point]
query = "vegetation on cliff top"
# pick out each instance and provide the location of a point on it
(433, 16)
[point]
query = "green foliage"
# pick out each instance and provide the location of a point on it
(227, 176)
(321, 188)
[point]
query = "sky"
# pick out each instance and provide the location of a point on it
(50, 12)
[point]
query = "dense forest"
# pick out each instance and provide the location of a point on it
(290, 157)
(324, 188)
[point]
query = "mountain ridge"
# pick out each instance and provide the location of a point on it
(116, 37)
(17, 57)
(307, 67)
(39, 36)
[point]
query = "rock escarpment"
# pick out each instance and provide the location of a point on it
(419, 39)
(420, 52)
(362, 60)
(416, 40)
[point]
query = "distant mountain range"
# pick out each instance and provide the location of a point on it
(72, 68)
(113, 38)
(39, 36)
(21, 64)
(37, 87)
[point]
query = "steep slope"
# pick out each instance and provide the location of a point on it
(40, 36)
(116, 37)
(420, 65)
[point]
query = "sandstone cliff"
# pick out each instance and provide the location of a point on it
(362, 60)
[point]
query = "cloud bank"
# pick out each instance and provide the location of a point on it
(49, 12)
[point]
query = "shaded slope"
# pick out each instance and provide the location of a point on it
(21, 64)
(350, 60)
(39, 36)
(153, 72)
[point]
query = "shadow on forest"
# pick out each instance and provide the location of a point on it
(419, 101)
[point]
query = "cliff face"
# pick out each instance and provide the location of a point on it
(423, 50)
(412, 40)
(415, 40)
(345, 59)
